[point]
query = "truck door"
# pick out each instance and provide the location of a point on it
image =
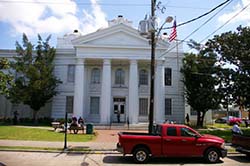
(188, 143)
(170, 140)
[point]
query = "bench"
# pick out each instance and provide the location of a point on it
(76, 129)
(56, 125)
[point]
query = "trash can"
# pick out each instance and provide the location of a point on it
(89, 128)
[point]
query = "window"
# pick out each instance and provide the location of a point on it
(168, 106)
(71, 73)
(187, 132)
(95, 76)
(69, 104)
(119, 77)
(168, 76)
(171, 131)
(143, 106)
(94, 105)
(143, 77)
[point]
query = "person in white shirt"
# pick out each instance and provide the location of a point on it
(236, 129)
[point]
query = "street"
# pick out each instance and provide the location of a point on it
(73, 159)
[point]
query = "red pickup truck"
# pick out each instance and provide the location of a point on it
(171, 140)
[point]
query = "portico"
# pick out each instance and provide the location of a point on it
(114, 96)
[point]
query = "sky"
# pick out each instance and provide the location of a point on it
(60, 17)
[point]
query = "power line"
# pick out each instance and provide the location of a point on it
(207, 21)
(194, 19)
(102, 4)
(79, 3)
(226, 22)
(215, 30)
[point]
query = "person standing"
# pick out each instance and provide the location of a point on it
(236, 129)
(118, 116)
(187, 119)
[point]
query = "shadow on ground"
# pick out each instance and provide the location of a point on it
(129, 160)
(240, 158)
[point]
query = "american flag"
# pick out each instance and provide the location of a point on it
(173, 34)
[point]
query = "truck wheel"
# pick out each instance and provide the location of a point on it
(212, 155)
(140, 155)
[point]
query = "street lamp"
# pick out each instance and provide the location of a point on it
(147, 27)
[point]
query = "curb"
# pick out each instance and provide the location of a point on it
(111, 151)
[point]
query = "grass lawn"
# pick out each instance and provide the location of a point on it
(220, 125)
(38, 134)
(226, 134)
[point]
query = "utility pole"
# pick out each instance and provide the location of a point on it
(151, 104)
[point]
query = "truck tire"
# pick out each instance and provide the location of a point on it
(141, 155)
(212, 155)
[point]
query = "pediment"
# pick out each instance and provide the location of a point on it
(118, 36)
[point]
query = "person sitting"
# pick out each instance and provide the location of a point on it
(81, 122)
(74, 124)
(236, 129)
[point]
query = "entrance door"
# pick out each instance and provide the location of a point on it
(119, 110)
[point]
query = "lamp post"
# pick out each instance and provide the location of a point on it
(65, 132)
(148, 27)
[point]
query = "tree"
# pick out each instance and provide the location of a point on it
(226, 86)
(233, 49)
(200, 81)
(35, 83)
(5, 78)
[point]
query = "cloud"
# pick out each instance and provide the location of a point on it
(243, 16)
(93, 20)
(57, 16)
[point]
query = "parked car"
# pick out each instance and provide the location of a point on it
(241, 143)
(230, 120)
(221, 120)
(171, 140)
(233, 120)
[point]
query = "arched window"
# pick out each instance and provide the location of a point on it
(95, 76)
(119, 77)
(143, 77)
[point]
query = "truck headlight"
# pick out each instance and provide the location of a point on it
(222, 146)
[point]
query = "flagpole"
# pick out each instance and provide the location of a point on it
(177, 54)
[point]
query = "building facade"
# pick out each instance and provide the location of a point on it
(107, 73)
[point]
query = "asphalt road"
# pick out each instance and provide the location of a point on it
(72, 159)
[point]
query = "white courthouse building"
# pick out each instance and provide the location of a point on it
(109, 71)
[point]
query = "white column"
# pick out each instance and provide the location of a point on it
(106, 92)
(79, 88)
(159, 104)
(133, 93)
